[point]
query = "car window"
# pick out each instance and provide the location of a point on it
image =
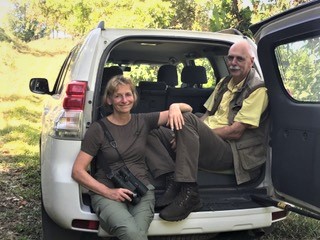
(142, 72)
(147, 72)
(210, 72)
(65, 70)
(299, 66)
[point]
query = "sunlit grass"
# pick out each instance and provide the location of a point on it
(20, 126)
(41, 58)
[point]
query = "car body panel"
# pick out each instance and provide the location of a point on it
(295, 124)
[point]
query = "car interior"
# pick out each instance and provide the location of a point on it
(179, 71)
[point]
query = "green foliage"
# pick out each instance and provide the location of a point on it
(23, 24)
(236, 14)
(32, 19)
(299, 67)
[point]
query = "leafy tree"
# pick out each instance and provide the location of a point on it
(135, 13)
(299, 66)
(230, 14)
(23, 23)
(235, 14)
(191, 14)
(32, 18)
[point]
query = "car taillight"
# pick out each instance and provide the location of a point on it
(68, 124)
(75, 95)
(85, 224)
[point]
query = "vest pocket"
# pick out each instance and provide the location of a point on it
(251, 152)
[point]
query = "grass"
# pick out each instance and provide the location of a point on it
(20, 124)
(20, 172)
(295, 227)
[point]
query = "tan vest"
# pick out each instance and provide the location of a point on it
(250, 151)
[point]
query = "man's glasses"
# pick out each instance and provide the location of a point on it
(238, 58)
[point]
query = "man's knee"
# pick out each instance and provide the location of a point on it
(189, 116)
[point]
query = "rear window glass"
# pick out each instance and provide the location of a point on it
(299, 65)
(149, 72)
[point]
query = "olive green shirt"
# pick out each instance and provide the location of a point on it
(131, 144)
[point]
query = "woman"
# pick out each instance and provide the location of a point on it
(112, 205)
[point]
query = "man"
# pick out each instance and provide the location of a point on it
(231, 134)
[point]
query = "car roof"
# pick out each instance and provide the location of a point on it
(165, 46)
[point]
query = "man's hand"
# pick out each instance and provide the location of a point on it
(233, 131)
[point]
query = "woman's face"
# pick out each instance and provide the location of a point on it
(122, 100)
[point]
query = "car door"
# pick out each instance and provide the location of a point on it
(288, 50)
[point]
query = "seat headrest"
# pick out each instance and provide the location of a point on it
(108, 73)
(192, 75)
(168, 74)
(143, 85)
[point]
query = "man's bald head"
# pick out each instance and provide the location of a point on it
(240, 60)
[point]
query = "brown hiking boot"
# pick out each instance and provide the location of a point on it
(187, 201)
(172, 190)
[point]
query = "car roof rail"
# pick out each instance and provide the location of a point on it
(101, 25)
(231, 31)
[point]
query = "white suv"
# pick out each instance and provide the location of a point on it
(157, 61)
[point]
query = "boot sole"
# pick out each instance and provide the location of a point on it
(184, 216)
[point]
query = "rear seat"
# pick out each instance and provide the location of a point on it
(193, 94)
(168, 74)
(152, 95)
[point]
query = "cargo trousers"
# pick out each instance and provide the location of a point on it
(122, 219)
(197, 147)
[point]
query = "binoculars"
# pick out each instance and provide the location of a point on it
(123, 178)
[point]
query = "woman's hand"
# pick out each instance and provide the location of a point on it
(119, 194)
(175, 117)
(173, 144)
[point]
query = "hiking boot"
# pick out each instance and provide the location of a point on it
(187, 201)
(172, 189)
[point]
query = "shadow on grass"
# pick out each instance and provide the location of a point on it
(27, 108)
(20, 205)
(20, 192)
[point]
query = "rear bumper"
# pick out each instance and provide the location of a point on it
(211, 222)
(63, 203)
